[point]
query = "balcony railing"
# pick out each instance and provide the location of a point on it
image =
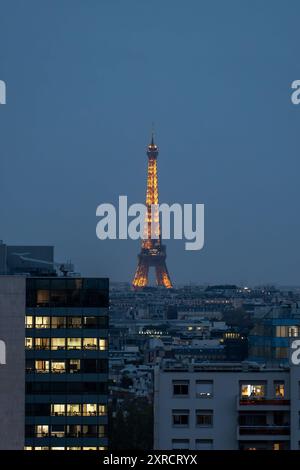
(263, 401)
(265, 430)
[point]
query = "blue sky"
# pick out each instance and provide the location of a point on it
(85, 80)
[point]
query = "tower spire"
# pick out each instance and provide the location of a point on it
(152, 134)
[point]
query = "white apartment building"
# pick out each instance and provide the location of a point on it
(226, 406)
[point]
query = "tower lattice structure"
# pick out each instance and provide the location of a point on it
(153, 252)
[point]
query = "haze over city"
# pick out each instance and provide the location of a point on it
(84, 85)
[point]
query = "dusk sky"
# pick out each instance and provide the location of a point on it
(85, 80)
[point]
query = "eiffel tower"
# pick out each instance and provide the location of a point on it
(153, 253)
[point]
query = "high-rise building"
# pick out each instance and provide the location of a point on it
(153, 252)
(12, 359)
(269, 340)
(66, 363)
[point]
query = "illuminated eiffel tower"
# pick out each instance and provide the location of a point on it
(153, 253)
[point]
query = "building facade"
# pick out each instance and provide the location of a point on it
(226, 407)
(12, 362)
(66, 363)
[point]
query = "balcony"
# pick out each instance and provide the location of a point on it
(264, 431)
(262, 402)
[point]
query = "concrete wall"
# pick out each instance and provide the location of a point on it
(12, 373)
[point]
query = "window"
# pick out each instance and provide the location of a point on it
(90, 430)
(74, 366)
(58, 410)
(58, 367)
(74, 343)
(74, 410)
(180, 387)
(57, 343)
(253, 419)
(102, 344)
(42, 297)
(89, 322)
(74, 430)
(57, 430)
(29, 366)
(204, 444)
(253, 390)
(204, 388)
(89, 409)
(90, 343)
(42, 322)
(74, 322)
(204, 418)
(42, 366)
(180, 444)
(279, 388)
(281, 352)
(293, 331)
(42, 343)
(29, 322)
(58, 322)
(180, 418)
(42, 430)
(28, 343)
(102, 410)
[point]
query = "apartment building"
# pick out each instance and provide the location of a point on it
(226, 406)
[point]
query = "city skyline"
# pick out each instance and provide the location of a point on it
(216, 80)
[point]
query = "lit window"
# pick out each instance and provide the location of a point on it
(252, 391)
(102, 410)
(73, 410)
(89, 343)
(89, 448)
(74, 343)
(42, 430)
(74, 366)
(29, 343)
(58, 367)
(102, 344)
(293, 331)
(42, 322)
(57, 410)
(42, 366)
(89, 409)
(29, 322)
(279, 389)
(57, 343)
(42, 343)
(204, 388)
